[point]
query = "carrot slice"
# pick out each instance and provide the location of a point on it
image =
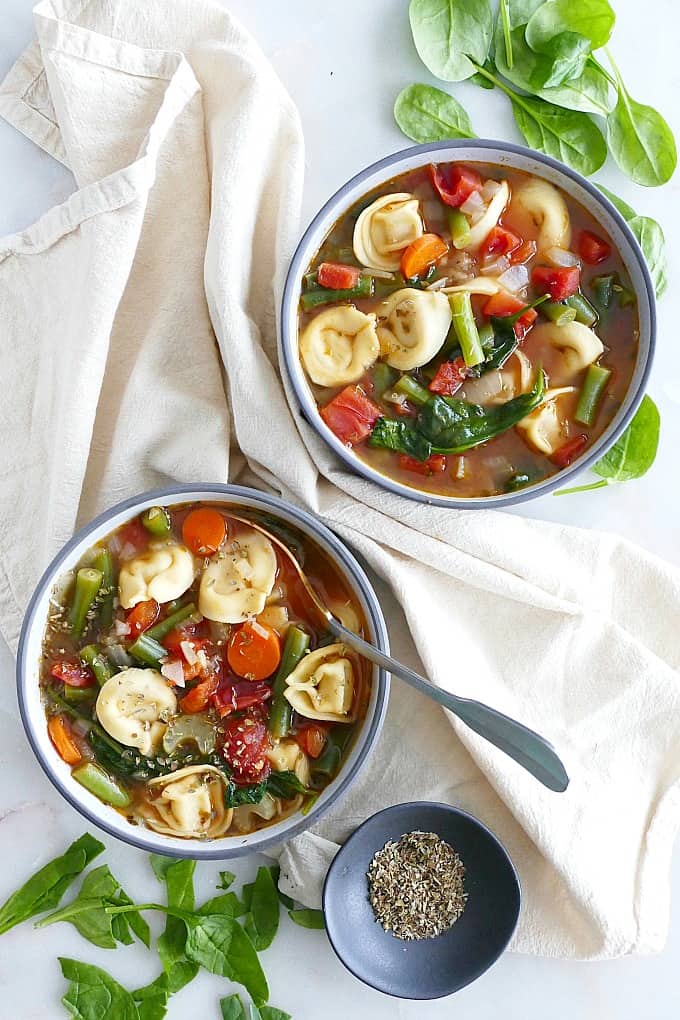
(422, 254)
(198, 698)
(64, 744)
(312, 739)
(204, 530)
(254, 651)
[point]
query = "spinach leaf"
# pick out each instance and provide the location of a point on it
(285, 785)
(152, 1000)
(87, 912)
(568, 53)
(227, 879)
(426, 114)
(44, 890)
(649, 236)
(262, 920)
(399, 435)
(93, 994)
(272, 1013)
(593, 19)
(232, 1008)
(179, 880)
(453, 425)
(220, 944)
(236, 795)
(134, 920)
(567, 135)
(640, 140)
(227, 903)
(307, 918)
(632, 454)
(447, 33)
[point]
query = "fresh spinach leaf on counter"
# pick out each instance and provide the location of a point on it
(451, 35)
(426, 114)
(44, 890)
(649, 236)
(179, 881)
(227, 879)
(87, 913)
(93, 994)
(567, 135)
(219, 943)
(262, 919)
(307, 918)
(593, 19)
(639, 139)
(233, 1009)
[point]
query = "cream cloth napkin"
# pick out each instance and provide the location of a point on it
(135, 314)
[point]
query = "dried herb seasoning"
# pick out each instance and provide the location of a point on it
(416, 886)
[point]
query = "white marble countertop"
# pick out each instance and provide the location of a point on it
(344, 64)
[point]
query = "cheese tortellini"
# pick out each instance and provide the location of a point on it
(189, 803)
(412, 326)
(135, 706)
(163, 573)
(577, 345)
(483, 227)
(544, 429)
(542, 207)
(338, 345)
(322, 685)
(287, 756)
(237, 580)
(385, 229)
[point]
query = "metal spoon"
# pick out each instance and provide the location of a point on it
(528, 748)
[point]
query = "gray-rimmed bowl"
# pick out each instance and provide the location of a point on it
(515, 157)
(33, 714)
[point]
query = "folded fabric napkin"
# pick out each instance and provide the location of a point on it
(139, 346)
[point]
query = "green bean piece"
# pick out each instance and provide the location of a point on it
(585, 312)
(104, 562)
(102, 785)
(163, 627)
(625, 295)
(145, 649)
(558, 313)
(295, 646)
(408, 387)
(88, 583)
(486, 337)
(326, 296)
(156, 520)
(466, 328)
(78, 695)
(93, 657)
(383, 376)
(459, 228)
(594, 385)
(603, 290)
(518, 481)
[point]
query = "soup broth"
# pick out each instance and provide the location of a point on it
(467, 329)
(187, 680)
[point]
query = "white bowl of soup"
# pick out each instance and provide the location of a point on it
(468, 324)
(175, 684)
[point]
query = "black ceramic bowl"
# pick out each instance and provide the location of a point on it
(428, 968)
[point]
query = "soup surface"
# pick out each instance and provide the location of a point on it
(187, 680)
(467, 329)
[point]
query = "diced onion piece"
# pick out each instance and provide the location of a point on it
(473, 206)
(489, 190)
(189, 652)
(244, 568)
(259, 629)
(525, 370)
(438, 284)
(81, 726)
(460, 468)
(379, 274)
(514, 279)
(121, 627)
(128, 551)
(497, 267)
(562, 258)
(173, 671)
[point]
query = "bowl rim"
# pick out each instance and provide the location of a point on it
(451, 809)
(307, 407)
(214, 849)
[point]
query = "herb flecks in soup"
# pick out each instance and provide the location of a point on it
(186, 680)
(468, 330)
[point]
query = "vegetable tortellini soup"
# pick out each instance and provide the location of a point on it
(187, 681)
(468, 330)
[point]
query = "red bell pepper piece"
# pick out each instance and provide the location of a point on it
(593, 249)
(337, 276)
(72, 674)
(499, 242)
(520, 255)
(434, 465)
(455, 183)
(570, 451)
(559, 283)
(351, 415)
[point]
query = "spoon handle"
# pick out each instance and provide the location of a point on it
(528, 748)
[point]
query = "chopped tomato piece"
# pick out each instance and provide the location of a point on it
(237, 695)
(204, 530)
(520, 255)
(502, 304)
(434, 465)
(337, 276)
(558, 283)
(72, 674)
(449, 378)
(312, 739)
(254, 651)
(593, 249)
(245, 745)
(405, 409)
(455, 183)
(351, 415)
(423, 253)
(143, 616)
(570, 451)
(499, 242)
(64, 744)
(198, 698)
(133, 537)
(195, 633)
